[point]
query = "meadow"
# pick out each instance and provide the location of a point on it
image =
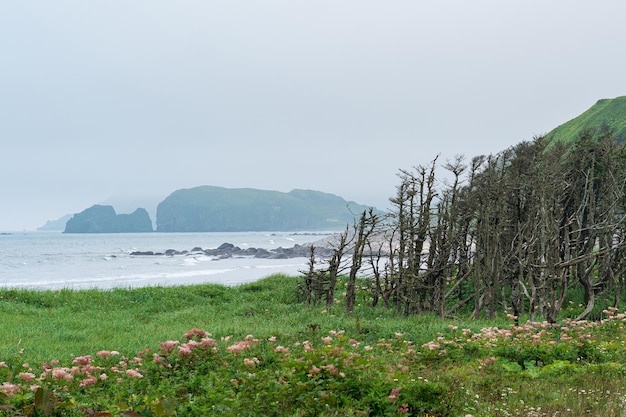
(253, 350)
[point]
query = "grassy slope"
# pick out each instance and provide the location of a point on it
(605, 113)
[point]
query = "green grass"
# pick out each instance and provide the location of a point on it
(321, 362)
(61, 324)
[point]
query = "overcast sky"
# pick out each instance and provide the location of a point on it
(101, 99)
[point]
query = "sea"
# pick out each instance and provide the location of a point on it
(54, 260)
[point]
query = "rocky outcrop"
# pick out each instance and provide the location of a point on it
(103, 219)
(228, 250)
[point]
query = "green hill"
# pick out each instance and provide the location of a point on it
(218, 209)
(606, 115)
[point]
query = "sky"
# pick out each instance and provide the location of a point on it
(111, 100)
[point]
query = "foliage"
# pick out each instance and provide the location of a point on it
(325, 363)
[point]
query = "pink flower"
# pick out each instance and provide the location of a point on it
(62, 374)
(327, 340)
(103, 354)
(90, 380)
(184, 350)
(272, 339)
(239, 347)
(394, 394)
(431, 345)
(195, 332)
(168, 346)
(9, 389)
(314, 371)
(82, 360)
(282, 349)
(250, 362)
(133, 373)
(207, 342)
(27, 376)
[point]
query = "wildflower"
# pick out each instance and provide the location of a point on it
(250, 362)
(184, 350)
(314, 371)
(431, 345)
(62, 374)
(327, 340)
(27, 376)
(399, 335)
(133, 373)
(404, 409)
(282, 349)
(103, 354)
(394, 394)
(9, 389)
(239, 346)
(332, 369)
(103, 377)
(82, 360)
(168, 345)
(195, 332)
(272, 339)
(90, 380)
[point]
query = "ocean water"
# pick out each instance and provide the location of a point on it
(53, 260)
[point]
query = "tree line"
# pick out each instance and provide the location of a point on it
(518, 232)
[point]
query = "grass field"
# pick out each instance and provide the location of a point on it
(255, 351)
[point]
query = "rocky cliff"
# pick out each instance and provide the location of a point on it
(103, 219)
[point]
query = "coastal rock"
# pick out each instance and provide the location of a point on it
(228, 250)
(103, 219)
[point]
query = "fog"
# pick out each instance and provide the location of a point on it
(111, 100)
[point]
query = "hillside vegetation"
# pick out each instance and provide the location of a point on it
(604, 116)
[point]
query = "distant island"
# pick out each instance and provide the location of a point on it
(218, 209)
(104, 219)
